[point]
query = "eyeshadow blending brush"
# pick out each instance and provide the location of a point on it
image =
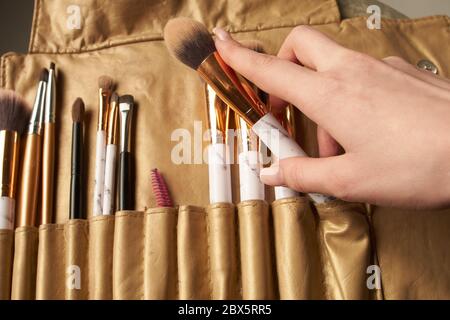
(218, 150)
(111, 157)
(31, 163)
(126, 183)
(106, 85)
(190, 42)
(160, 190)
(77, 209)
(13, 120)
(48, 150)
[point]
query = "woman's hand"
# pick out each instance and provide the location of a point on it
(391, 119)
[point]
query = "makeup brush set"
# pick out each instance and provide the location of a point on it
(28, 173)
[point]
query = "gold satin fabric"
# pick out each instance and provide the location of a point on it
(123, 39)
(6, 258)
(24, 265)
(298, 262)
(345, 247)
(256, 243)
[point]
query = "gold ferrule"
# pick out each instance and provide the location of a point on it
(113, 123)
(235, 91)
(247, 140)
(9, 150)
(104, 98)
(29, 182)
(48, 165)
(218, 116)
(287, 120)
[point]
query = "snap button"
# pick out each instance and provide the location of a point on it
(427, 65)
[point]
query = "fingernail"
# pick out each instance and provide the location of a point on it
(221, 34)
(269, 172)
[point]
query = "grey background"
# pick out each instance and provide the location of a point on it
(16, 17)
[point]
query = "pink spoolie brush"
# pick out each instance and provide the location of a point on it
(160, 190)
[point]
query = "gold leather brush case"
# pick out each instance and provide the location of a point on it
(287, 249)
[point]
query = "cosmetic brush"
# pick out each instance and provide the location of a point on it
(76, 182)
(48, 149)
(111, 157)
(160, 190)
(105, 84)
(13, 120)
(218, 150)
(249, 155)
(190, 42)
(31, 163)
(287, 120)
(126, 196)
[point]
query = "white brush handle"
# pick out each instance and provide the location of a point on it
(7, 208)
(100, 151)
(219, 174)
(284, 192)
(110, 180)
(251, 187)
(276, 138)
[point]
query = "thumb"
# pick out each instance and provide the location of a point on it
(328, 176)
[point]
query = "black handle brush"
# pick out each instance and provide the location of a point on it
(77, 209)
(126, 180)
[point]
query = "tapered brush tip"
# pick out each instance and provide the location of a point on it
(105, 83)
(14, 112)
(44, 75)
(52, 66)
(78, 110)
(129, 99)
(189, 41)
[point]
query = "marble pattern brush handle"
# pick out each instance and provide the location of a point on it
(100, 153)
(110, 180)
(277, 139)
(251, 187)
(219, 174)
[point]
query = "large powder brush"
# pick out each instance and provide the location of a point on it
(14, 117)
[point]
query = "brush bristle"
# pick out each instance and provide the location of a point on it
(254, 45)
(44, 75)
(105, 83)
(78, 110)
(160, 190)
(126, 99)
(52, 66)
(189, 41)
(14, 112)
(115, 97)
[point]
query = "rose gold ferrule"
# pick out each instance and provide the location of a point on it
(113, 123)
(287, 120)
(247, 140)
(235, 91)
(9, 149)
(48, 164)
(104, 98)
(218, 116)
(29, 181)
